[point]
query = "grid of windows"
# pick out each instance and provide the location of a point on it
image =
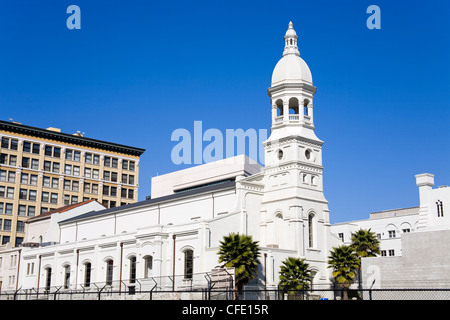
(7, 192)
(6, 208)
(73, 155)
(7, 176)
(8, 159)
(70, 199)
(9, 143)
(36, 177)
(52, 151)
(31, 147)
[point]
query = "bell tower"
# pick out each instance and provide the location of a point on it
(294, 211)
(291, 94)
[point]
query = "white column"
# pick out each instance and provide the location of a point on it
(425, 182)
(285, 111)
(296, 221)
(274, 113)
(203, 240)
(263, 228)
(270, 269)
(157, 258)
(310, 111)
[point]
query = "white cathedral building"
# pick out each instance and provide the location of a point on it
(175, 235)
(177, 231)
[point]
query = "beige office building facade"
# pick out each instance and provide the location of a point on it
(43, 169)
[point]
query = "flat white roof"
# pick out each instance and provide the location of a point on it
(220, 170)
(394, 212)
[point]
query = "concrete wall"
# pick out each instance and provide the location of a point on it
(424, 264)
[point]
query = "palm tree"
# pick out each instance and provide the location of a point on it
(364, 244)
(241, 253)
(295, 275)
(345, 264)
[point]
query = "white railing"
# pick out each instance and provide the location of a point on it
(292, 118)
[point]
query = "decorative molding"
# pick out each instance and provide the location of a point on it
(68, 138)
(284, 86)
(77, 148)
(290, 140)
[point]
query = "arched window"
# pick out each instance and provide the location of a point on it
(133, 269)
(293, 106)
(87, 274)
(48, 278)
(305, 178)
(313, 275)
(148, 265)
(278, 228)
(279, 104)
(311, 229)
(67, 276)
(109, 271)
(188, 264)
(305, 107)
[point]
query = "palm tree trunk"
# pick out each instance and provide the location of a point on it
(345, 293)
(360, 280)
(238, 291)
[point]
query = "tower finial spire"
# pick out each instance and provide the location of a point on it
(290, 40)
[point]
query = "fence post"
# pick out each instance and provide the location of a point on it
(56, 292)
(100, 292)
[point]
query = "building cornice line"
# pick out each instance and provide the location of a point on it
(69, 138)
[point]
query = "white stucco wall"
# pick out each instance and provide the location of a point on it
(392, 220)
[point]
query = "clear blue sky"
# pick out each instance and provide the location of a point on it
(138, 70)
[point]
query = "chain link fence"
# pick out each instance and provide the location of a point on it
(215, 285)
(109, 292)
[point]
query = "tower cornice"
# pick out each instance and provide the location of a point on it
(297, 85)
(293, 138)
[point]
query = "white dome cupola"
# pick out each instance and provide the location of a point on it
(290, 40)
(291, 89)
(292, 138)
(291, 67)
